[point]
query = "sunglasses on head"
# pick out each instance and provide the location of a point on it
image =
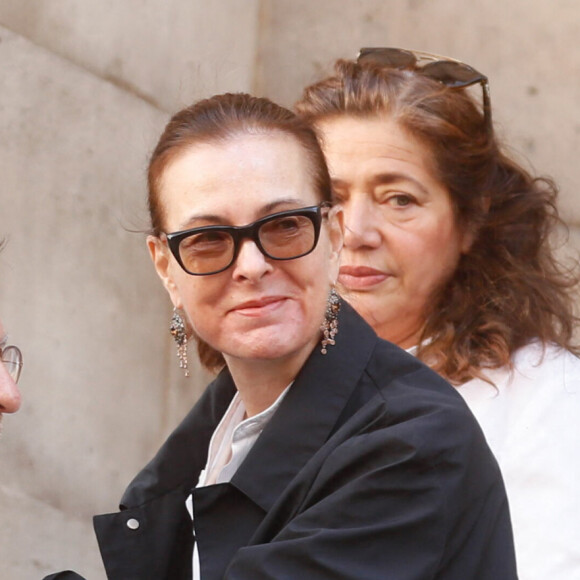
(448, 71)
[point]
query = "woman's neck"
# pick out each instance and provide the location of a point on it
(402, 340)
(261, 382)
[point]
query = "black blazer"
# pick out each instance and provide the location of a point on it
(372, 468)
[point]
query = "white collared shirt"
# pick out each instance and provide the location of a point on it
(230, 444)
(531, 420)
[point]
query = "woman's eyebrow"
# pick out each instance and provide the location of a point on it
(284, 201)
(192, 220)
(219, 220)
(388, 178)
(382, 179)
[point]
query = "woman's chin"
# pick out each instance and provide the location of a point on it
(269, 346)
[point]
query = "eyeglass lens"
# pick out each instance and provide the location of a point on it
(12, 360)
(282, 238)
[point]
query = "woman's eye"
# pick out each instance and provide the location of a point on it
(283, 226)
(399, 200)
(286, 224)
(207, 241)
(402, 200)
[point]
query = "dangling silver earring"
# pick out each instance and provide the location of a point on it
(330, 325)
(177, 330)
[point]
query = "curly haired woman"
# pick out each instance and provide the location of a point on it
(447, 253)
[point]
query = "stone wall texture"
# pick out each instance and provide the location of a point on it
(86, 87)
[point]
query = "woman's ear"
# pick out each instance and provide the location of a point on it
(336, 236)
(161, 258)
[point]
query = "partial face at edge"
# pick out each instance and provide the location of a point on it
(9, 394)
(402, 241)
(258, 308)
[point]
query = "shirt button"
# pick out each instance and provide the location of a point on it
(133, 524)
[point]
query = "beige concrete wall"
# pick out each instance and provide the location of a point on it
(70, 179)
(86, 87)
(86, 90)
(169, 52)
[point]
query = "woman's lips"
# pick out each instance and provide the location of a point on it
(360, 277)
(260, 306)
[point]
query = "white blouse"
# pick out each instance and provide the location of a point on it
(531, 420)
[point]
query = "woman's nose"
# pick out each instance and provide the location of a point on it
(250, 263)
(360, 225)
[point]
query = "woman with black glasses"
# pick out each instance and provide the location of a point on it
(448, 254)
(319, 451)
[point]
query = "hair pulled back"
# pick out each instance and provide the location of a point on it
(218, 119)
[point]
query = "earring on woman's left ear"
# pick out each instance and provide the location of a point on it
(177, 330)
(330, 325)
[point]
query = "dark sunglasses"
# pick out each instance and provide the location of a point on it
(448, 71)
(285, 235)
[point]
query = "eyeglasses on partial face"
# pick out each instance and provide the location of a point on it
(448, 71)
(285, 235)
(12, 361)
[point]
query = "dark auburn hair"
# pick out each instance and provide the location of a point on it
(509, 289)
(217, 120)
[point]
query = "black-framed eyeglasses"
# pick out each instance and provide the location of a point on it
(285, 235)
(12, 361)
(448, 71)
